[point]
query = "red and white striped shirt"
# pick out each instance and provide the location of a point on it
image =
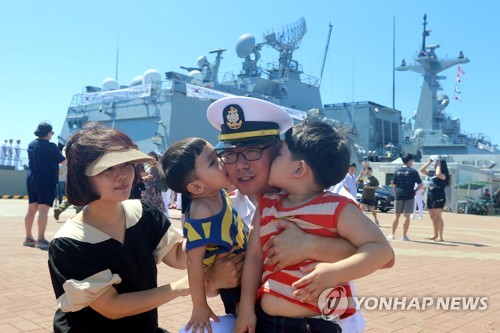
(318, 216)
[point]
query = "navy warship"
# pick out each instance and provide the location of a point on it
(157, 112)
(433, 131)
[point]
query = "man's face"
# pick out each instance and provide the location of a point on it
(352, 170)
(251, 177)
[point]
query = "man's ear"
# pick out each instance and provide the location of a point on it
(195, 187)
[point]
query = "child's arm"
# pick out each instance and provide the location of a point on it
(200, 317)
(252, 274)
(373, 253)
(176, 257)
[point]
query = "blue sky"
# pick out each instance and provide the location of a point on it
(51, 49)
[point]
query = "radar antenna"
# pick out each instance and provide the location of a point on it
(286, 40)
(425, 33)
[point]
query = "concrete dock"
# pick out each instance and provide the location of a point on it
(458, 280)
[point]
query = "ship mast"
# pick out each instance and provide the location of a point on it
(326, 52)
(427, 63)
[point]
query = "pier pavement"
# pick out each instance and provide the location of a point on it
(467, 264)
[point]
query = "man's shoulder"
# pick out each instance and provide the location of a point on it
(406, 170)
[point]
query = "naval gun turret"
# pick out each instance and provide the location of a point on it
(206, 71)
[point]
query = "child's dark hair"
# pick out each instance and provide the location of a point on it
(178, 163)
(82, 149)
(324, 148)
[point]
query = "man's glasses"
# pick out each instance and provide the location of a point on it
(250, 154)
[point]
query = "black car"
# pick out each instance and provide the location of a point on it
(384, 197)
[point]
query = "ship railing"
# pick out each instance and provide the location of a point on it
(77, 99)
(309, 79)
(13, 163)
(294, 69)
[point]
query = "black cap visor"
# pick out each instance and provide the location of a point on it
(245, 142)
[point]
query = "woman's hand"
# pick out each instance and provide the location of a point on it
(181, 286)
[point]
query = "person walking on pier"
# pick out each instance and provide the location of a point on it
(370, 185)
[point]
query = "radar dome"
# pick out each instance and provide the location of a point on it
(151, 76)
(245, 45)
(443, 101)
(197, 77)
(202, 61)
(109, 84)
(136, 81)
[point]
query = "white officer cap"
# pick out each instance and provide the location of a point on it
(245, 121)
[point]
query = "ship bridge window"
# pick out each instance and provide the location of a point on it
(395, 133)
(387, 131)
(378, 132)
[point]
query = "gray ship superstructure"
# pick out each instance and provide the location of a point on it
(157, 112)
(433, 131)
(473, 160)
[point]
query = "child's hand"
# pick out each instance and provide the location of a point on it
(245, 322)
(321, 276)
(200, 319)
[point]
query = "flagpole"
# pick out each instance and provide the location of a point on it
(117, 54)
(394, 62)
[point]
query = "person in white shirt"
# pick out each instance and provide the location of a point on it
(3, 152)
(419, 202)
(17, 155)
(247, 158)
(349, 181)
(10, 152)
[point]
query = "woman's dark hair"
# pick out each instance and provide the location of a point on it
(154, 155)
(444, 169)
(83, 148)
(326, 150)
(178, 163)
